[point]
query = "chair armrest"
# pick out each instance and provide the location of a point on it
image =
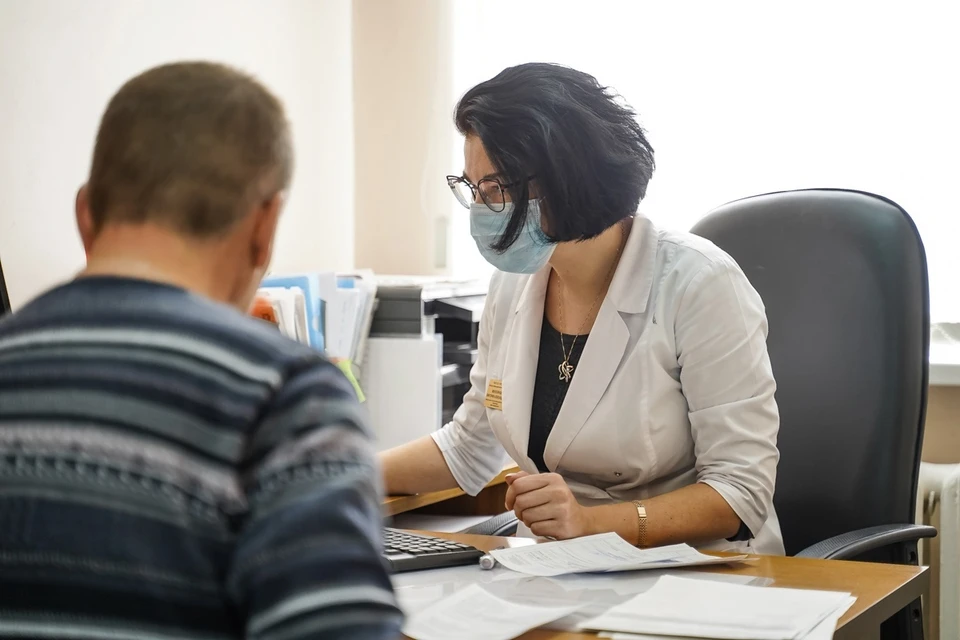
(849, 545)
(504, 524)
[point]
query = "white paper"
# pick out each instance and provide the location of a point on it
(326, 285)
(594, 593)
(289, 306)
(475, 614)
(326, 290)
(826, 629)
(342, 322)
(603, 552)
(641, 636)
(823, 631)
(701, 609)
(300, 317)
(364, 281)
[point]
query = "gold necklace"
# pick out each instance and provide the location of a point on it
(566, 369)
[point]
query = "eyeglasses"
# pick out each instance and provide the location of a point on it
(492, 192)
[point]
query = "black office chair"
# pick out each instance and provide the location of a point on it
(504, 524)
(843, 276)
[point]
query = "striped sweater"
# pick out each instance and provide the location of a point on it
(170, 468)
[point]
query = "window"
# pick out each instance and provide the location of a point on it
(741, 98)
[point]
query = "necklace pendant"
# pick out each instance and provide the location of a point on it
(566, 371)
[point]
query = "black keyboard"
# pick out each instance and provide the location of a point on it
(413, 552)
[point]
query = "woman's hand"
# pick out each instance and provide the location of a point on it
(546, 505)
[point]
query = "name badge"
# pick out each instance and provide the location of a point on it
(494, 399)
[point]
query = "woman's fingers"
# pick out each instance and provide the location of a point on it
(524, 484)
(532, 482)
(511, 477)
(510, 498)
(547, 529)
(537, 514)
(529, 500)
(512, 494)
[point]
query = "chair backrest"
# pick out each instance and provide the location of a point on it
(843, 276)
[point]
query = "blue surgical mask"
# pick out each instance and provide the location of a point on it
(528, 254)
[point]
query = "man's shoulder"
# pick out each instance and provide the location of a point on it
(140, 314)
(259, 333)
(303, 370)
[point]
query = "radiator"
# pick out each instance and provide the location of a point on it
(938, 504)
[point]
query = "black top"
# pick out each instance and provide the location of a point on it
(548, 389)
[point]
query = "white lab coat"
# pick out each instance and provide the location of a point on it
(674, 386)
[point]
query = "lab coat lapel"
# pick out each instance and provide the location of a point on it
(520, 363)
(628, 294)
(599, 361)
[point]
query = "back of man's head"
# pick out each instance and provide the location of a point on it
(193, 150)
(191, 146)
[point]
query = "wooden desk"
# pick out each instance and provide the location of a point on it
(881, 589)
(454, 501)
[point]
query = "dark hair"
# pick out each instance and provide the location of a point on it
(191, 146)
(574, 137)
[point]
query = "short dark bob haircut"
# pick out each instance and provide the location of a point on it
(574, 137)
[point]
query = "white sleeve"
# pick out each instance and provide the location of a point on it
(471, 449)
(725, 374)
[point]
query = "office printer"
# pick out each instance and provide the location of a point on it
(422, 344)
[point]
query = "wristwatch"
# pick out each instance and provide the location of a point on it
(642, 522)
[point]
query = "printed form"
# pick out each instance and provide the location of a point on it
(601, 553)
(700, 609)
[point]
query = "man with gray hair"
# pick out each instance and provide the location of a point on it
(171, 467)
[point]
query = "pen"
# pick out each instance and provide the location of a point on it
(487, 561)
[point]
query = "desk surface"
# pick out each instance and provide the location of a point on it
(881, 589)
(392, 505)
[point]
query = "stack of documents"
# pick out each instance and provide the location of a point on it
(328, 312)
(715, 610)
(349, 313)
(315, 288)
(338, 309)
(289, 311)
(601, 553)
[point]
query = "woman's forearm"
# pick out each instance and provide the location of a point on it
(416, 467)
(693, 514)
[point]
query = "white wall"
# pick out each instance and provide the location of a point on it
(61, 60)
(402, 75)
(749, 96)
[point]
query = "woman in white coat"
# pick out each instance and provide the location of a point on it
(623, 368)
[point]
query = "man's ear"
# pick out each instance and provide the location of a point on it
(265, 229)
(85, 224)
